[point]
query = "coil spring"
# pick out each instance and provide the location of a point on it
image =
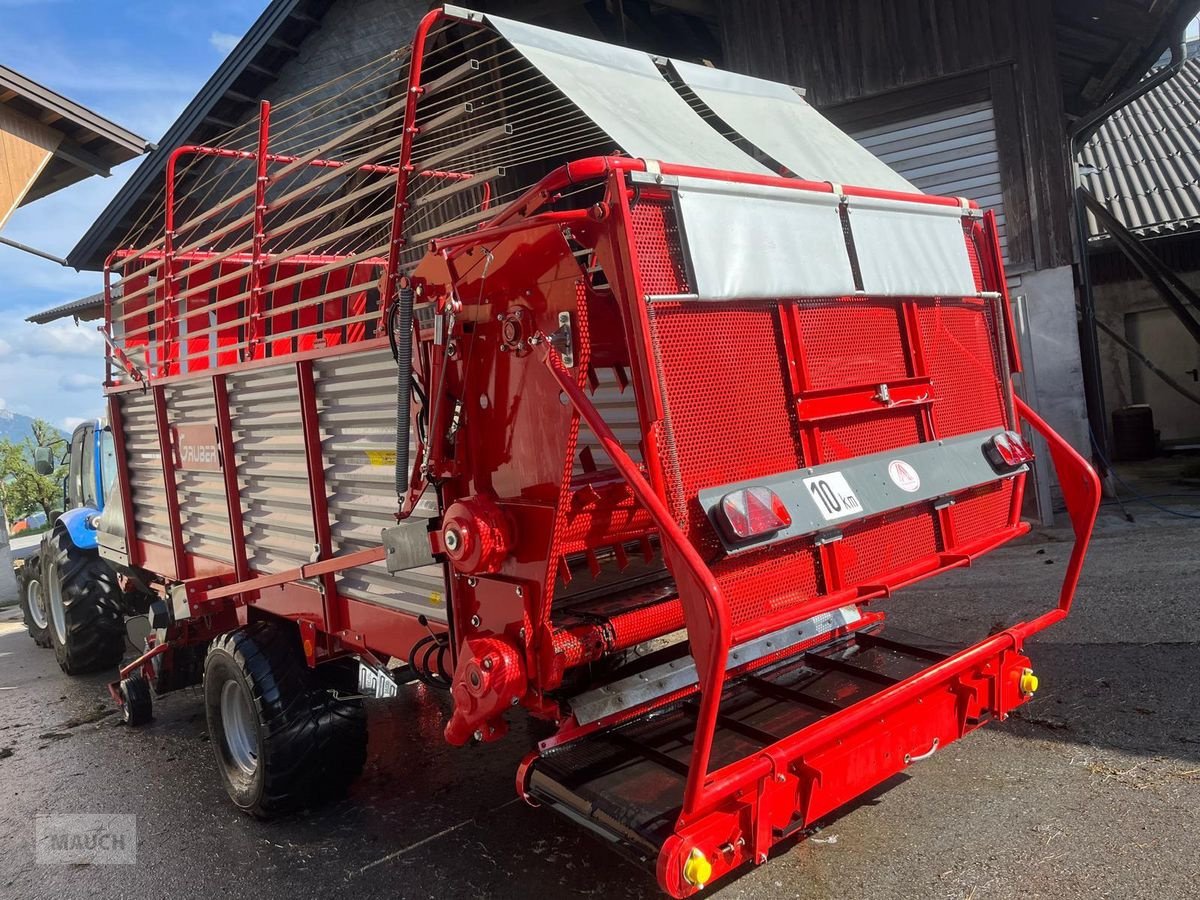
(428, 661)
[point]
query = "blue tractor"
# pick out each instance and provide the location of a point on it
(70, 597)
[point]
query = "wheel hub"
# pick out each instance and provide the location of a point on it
(240, 726)
(58, 614)
(36, 601)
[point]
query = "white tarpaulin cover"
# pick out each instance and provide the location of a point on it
(778, 121)
(752, 242)
(622, 91)
(756, 242)
(911, 249)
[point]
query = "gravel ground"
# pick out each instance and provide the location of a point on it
(1092, 790)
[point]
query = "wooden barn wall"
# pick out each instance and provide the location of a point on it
(864, 62)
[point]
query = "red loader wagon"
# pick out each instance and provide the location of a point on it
(584, 384)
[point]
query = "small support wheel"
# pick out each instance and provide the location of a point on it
(137, 708)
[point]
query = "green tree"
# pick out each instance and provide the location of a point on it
(22, 489)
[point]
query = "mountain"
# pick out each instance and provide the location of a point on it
(16, 427)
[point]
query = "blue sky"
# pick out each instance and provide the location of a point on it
(137, 62)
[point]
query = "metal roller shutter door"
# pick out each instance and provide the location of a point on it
(952, 152)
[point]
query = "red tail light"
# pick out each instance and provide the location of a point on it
(752, 512)
(1007, 450)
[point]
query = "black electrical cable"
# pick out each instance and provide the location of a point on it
(1136, 496)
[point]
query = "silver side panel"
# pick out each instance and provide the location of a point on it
(202, 504)
(268, 446)
(145, 469)
(356, 402)
(356, 397)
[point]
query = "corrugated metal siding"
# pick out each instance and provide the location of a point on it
(1146, 159)
(356, 397)
(952, 153)
(619, 410)
(145, 468)
(269, 449)
(201, 494)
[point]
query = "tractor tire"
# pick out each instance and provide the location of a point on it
(83, 604)
(136, 706)
(282, 739)
(33, 602)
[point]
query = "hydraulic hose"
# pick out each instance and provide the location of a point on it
(402, 349)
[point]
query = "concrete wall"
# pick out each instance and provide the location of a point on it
(1053, 345)
(1114, 302)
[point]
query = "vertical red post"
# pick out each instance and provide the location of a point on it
(168, 266)
(415, 62)
(107, 326)
(258, 265)
(315, 461)
(233, 497)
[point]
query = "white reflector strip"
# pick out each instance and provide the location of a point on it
(911, 249)
(622, 91)
(778, 121)
(752, 242)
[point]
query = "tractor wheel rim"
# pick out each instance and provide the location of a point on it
(36, 602)
(240, 727)
(58, 614)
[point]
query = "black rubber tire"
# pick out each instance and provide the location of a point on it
(31, 579)
(94, 637)
(137, 708)
(309, 745)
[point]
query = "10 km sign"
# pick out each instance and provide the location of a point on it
(833, 496)
(196, 448)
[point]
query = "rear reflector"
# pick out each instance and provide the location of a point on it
(751, 513)
(1007, 450)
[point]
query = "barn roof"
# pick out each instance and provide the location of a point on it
(90, 145)
(1144, 162)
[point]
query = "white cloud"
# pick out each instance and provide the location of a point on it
(223, 41)
(68, 424)
(77, 381)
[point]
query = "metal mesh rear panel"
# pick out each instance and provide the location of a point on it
(875, 547)
(657, 233)
(870, 434)
(852, 342)
(744, 397)
(729, 412)
(957, 337)
(733, 423)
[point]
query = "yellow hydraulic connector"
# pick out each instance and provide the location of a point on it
(697, 870)
(1029, 682)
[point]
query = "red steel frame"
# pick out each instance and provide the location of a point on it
(712, 800)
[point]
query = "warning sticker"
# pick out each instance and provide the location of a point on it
(834, 497)
(904, 476)
(381, 457)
